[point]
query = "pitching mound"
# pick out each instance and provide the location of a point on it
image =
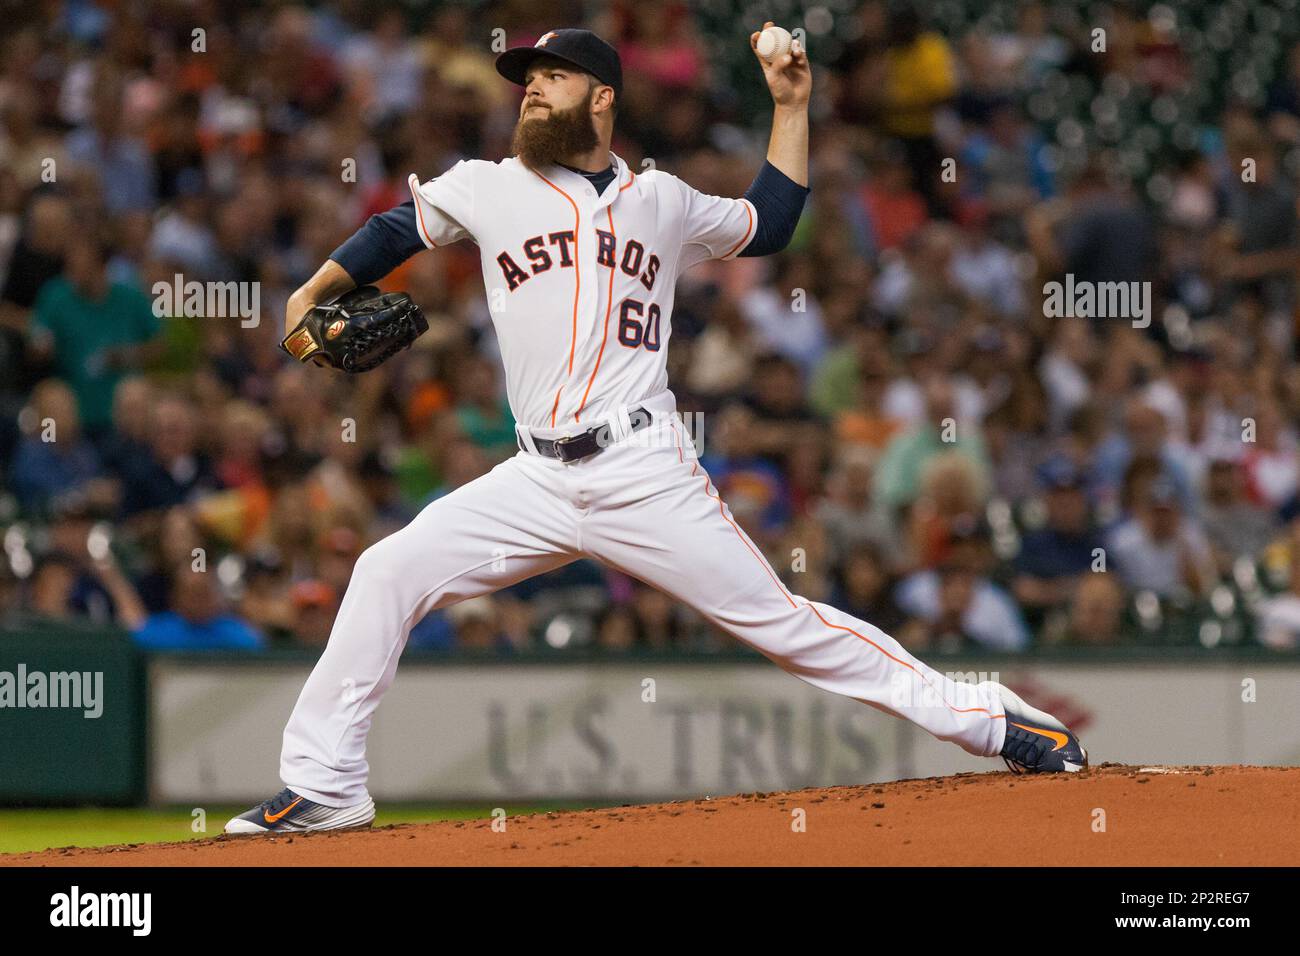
(1112, 815)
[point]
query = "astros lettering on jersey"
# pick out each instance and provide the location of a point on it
(580, 286)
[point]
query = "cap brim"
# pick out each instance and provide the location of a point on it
(513, 64)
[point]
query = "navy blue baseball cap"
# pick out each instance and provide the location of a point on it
(582, 48)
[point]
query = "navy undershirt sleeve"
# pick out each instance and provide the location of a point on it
(779, 201)
(384, 242)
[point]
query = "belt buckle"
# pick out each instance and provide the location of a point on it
(562, 443)
(604, 437)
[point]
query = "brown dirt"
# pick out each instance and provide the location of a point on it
(1168, 816)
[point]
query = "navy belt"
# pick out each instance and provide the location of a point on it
(585, 444)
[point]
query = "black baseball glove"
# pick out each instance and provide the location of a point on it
(357, 332)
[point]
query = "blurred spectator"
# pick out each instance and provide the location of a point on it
(1260, 236)
(132, 415)
(1099, 233)
(1144, 437)
(1054, 560)
(26, 147)
(898, 474)
(896, 211)
(1096, 612)
(337, 554)
(1234, 526)
(1016, 431)
(661, 47)
(786, 316)
(183, 238)
(864, 588)
(79, 579)
(848, 512)
(55, 458)
(777, 398)
(53, 583)
(947, 507)
(1005, 163)
(35, 259)
(384, 495)
(174, 539)
(724, 353)
(648, 622)
(197, 620)
(984, 269)
(482, 412)
(93, 330)
(616, 629)
(863, 421)
(462, 462)
(461, 63)
(315, 603)
(1159, 549)
(920, 74)
(175, 468)
(1278, 618)
(907, 396)
(119, 159)
(477, 626)
(750, 483)
(384, 66)
(1271, 463)
(1066, 369)
(960, 607)
(1283, 107)
(659, 625)
(267, 599)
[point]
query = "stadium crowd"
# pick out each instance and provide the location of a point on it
(886, 406)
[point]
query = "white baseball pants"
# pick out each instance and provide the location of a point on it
(643, 505)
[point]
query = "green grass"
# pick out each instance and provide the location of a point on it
(22, 831)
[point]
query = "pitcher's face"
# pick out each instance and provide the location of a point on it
(555, 116)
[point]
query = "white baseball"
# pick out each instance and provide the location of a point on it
(773, 42)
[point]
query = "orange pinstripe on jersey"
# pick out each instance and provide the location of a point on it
(577, 285)
(608, 305)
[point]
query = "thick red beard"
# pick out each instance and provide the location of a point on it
(541, 141)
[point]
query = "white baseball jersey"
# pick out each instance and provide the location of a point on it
(580, 286)
(581, 292)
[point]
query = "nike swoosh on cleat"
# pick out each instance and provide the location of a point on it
(272, 818)
(1061, 739)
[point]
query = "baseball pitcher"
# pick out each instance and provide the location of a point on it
(580, 259)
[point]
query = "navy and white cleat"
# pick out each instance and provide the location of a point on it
(287, 812)
(1037, 742)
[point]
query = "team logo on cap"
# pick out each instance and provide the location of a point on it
(545, 37)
